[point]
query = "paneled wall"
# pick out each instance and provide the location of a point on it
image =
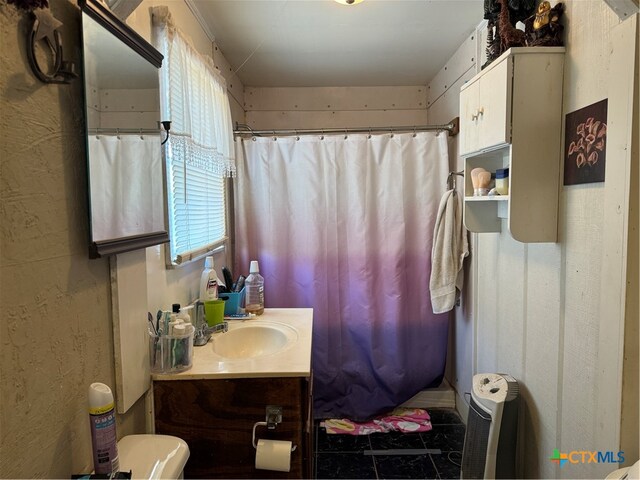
(443, 99)
(335, 107)
(541, 311)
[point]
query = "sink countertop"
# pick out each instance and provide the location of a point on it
(294, 361)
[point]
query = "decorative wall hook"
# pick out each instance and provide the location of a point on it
(45, 27)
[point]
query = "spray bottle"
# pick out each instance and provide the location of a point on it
(103, 429)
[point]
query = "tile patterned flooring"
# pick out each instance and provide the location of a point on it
(346, 456)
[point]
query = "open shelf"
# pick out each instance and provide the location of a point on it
(496, 198)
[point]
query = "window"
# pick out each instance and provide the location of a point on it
(199, 152)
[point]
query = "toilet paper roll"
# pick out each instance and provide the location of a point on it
(273, 455)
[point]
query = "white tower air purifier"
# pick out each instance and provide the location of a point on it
(490, 439)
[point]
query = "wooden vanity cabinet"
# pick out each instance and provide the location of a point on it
(216, 418)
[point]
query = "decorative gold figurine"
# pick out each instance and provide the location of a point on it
(543, 29)
(542, 15)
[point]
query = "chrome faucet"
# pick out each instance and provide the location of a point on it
(203, 334)
(203, 331)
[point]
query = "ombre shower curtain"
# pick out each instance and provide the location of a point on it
(344, 224)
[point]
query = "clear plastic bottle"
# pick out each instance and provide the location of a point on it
(254, 290)
(208, 281)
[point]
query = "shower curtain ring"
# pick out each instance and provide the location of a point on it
(322, 134)
(414, 132)
(274, 135)
(369, 136)
(345, 134)
(297, 136)
(391, 133)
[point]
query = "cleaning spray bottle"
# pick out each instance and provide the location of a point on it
(103, 429)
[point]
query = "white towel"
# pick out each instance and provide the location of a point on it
(450, 246)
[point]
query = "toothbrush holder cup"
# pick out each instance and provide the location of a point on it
(234, 302)
(171, 353)
(214, 311)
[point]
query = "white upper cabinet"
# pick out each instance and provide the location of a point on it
(485, 105)
(511, 117)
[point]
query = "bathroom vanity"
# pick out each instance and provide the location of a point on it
(214, 406)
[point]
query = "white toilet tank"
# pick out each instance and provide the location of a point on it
(153, 456)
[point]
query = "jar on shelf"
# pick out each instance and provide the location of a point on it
(502, 181)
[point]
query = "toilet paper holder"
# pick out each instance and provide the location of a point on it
(273, 417)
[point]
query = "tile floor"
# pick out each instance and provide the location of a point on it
(346, 456)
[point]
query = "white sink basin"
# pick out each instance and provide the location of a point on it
(253, 338)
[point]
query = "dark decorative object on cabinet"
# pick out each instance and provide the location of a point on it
(502, 33)
(510, 36)
(544, 29)
(29, 4)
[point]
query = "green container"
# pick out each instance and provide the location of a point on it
(214, 312)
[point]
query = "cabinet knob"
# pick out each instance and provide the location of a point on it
(480, 111)
(474, 116)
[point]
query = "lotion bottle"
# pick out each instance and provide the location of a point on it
(103, 429)
(208, 281)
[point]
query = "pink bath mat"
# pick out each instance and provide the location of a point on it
(407, 420)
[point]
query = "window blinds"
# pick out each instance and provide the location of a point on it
(199, 151)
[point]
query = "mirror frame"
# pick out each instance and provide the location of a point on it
(112, 24)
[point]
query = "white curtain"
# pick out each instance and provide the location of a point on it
(126, 185)
(345, 225)
(194, 98)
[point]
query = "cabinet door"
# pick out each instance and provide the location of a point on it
(469, 118)
(216, 418)
(494, 105)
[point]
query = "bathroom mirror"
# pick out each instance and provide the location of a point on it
(122, 110)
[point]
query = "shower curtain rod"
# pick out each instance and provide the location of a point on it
(116, 131)
(452, 127)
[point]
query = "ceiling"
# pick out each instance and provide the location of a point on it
(303, 43)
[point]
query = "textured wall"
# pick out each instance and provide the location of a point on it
(56, 332)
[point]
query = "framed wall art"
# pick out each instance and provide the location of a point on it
(585, 144)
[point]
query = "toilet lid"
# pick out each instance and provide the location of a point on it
(153, 456)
